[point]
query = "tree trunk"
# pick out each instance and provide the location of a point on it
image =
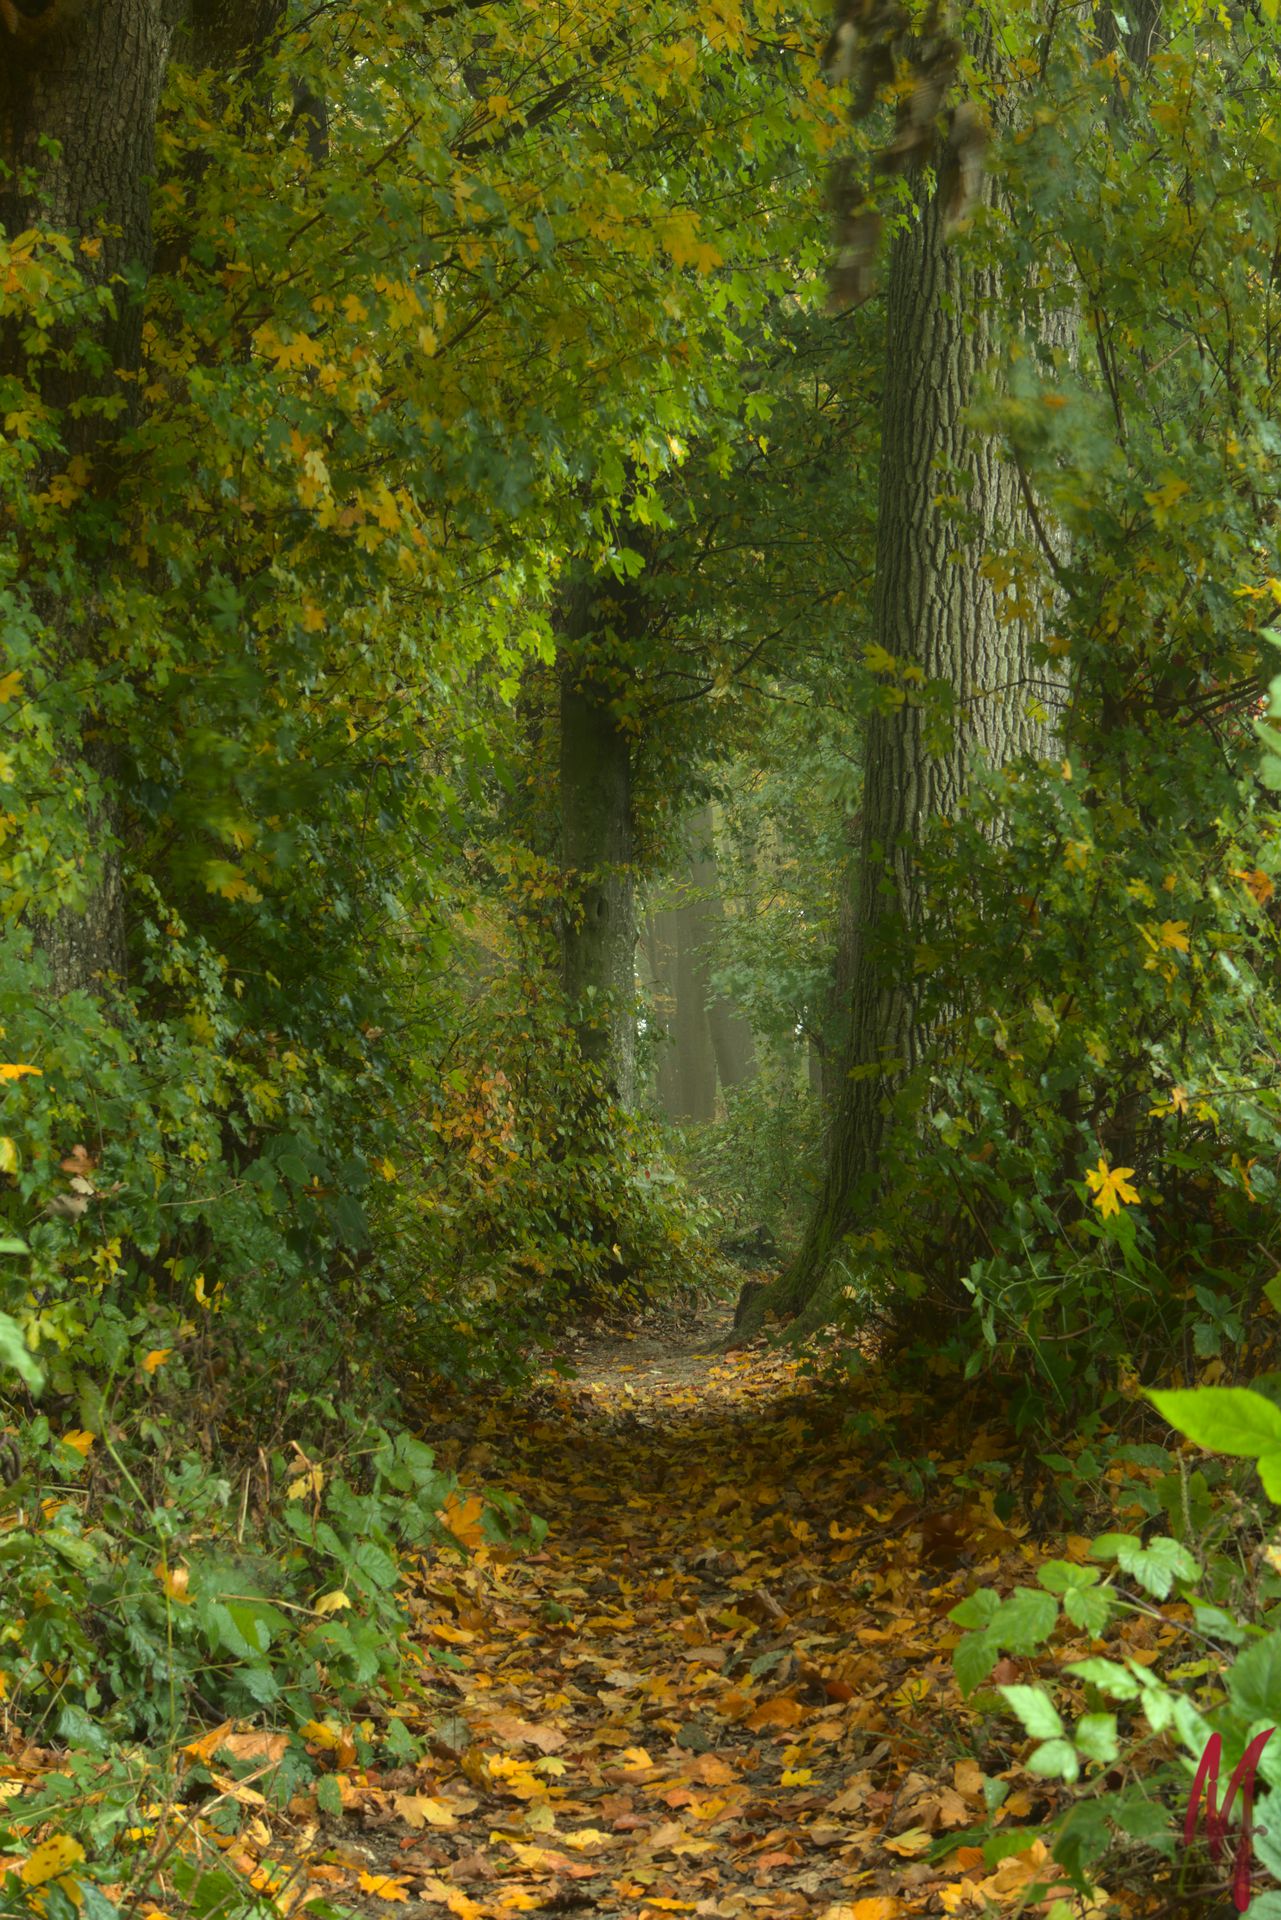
(732, 1040)
(934, 608)
(80, 88)
(599, 937)
(695, 1059)
(91, 84)
(660, 953)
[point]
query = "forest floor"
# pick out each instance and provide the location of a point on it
(722, 1685)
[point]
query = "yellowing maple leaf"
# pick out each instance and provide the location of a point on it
(10, 685)
(1174, 933)
(1110, 1186)
(15, 1071)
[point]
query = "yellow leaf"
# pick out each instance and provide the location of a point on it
(16, 1072)
(80, 1439)
(915, 1840)
(208, 1743)
(156, 1358)
(1174, 933)
(387, 1169)
(332, 1602)
(312, 1481)
(317, 1734)
(10, 687)
(174, 1581)
(1167, 494)
(420, 1809)
(797, 1776)
(51, 1858)
(385, 1886)
(8, 1155)
(1110, 1186)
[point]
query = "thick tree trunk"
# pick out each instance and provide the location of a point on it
(88, 80)
(80, 88)
(599, 938)
(935, 608)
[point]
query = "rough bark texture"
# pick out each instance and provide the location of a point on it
(91, 82)
(933, 606)
(87, 75)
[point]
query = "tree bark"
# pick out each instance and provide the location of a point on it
(91, 83)
(934, 608)
(80, 88)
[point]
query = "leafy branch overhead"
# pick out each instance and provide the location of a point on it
(883, 52)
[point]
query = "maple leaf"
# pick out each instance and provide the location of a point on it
(1111, 1186)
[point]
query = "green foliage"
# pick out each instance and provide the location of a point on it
(1092, 1189)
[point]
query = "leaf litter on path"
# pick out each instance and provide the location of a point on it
(721, 1687)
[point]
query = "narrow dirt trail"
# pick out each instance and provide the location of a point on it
(722, 1686)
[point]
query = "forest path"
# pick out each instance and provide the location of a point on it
(721, 1686)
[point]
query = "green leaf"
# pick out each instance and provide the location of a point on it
(1156, 1567)
(1223, 1419)
(1036, 1710)
(973, 1658)
(15, 1353)
(1054, 1760)
(1089, 1608)
(977, 1609)
(1026, 1620)
(328, 1796)
(1254, 1681)
(1107, 1675)
(1095, 1737)
(1059, 1575)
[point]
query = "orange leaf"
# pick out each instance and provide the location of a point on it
(782, 1711)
